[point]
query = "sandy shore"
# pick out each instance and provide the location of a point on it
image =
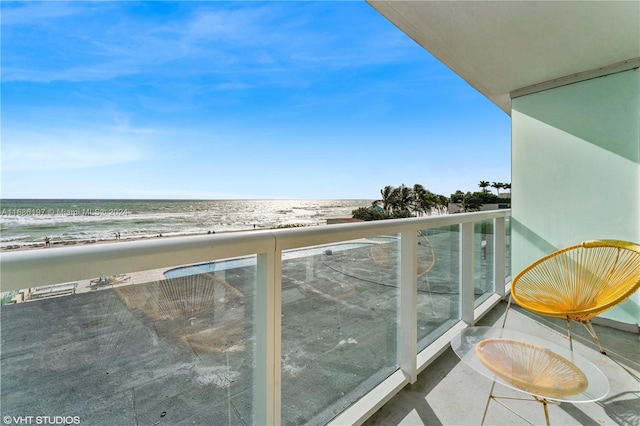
(57, 244)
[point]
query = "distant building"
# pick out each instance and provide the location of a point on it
(335, 220)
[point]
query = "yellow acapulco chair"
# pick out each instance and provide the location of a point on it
(579, 282)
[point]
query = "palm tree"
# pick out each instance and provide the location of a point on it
(484, 184)
(497, 186)
(470, 203)
(417, 195)
(404, 201)
(387, 197)
(507, 186)
(457, 196)
(402, 196)
(426, 202)
(442, 203)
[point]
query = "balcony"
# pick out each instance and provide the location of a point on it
(293, 326)
(448, 384)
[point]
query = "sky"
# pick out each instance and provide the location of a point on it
(233, 100)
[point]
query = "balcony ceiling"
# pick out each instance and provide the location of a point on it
(499, 47)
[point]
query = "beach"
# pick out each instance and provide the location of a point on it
(24, 224)
(57, 244)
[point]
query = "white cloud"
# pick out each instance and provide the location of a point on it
(284, 45)
(37, 11)
(31, 151)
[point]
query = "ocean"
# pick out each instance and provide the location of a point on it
(28, 222)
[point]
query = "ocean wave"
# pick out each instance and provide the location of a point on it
(148, 218)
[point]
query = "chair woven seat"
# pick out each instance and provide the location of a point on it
(531, 368)
(426, 257)
(581, 281)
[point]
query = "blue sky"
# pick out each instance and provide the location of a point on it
(233, 100)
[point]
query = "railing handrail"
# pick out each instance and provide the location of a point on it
(36, 267)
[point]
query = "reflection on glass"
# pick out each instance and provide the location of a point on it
(508, 249)
(484, 251)
(438, 282)
(122, 350)
(339, 326)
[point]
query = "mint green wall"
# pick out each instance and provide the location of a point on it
(576, 170)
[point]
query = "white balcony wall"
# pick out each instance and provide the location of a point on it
(576, 170)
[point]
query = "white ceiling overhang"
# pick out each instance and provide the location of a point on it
(502, 47)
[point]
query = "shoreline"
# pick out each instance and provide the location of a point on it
(67, 243)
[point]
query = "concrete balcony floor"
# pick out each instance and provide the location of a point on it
(93, 355)
(448, 392)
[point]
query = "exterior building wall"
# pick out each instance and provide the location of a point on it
(576, 170)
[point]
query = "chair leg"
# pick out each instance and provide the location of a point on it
(546, 412)
(486, 408)
(569, 332)
(506, 312)
(592, 332)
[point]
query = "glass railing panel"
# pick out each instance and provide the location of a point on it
(438, 296)
(508, 249)
(484, 251)
(135, 348)
(339, 325)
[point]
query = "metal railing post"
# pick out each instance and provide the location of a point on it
(408, 315)
(500, 255)
(467, 274)
(268, 338)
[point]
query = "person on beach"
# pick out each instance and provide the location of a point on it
(47, 242)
